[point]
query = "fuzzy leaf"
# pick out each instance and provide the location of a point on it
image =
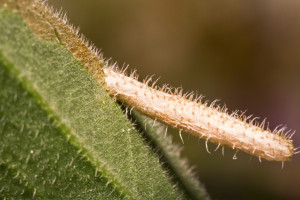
(155, 132)
(61, 135)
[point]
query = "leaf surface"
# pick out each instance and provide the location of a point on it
(62, 136)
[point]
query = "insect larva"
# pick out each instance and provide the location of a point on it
(203, 121)
(207, 122)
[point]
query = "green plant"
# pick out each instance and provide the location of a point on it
(62, 136)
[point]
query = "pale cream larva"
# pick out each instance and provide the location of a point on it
(207, 122)
(203, 121)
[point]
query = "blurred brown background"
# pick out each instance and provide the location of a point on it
(246, 53)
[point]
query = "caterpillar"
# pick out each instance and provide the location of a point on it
(208, 122)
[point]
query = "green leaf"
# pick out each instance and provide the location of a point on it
(155, 132)
(61, 135)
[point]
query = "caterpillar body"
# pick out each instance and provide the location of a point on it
(209, 122)
(183, 112)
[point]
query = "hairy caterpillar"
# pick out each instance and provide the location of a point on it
(211, 123)
(205, 121)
